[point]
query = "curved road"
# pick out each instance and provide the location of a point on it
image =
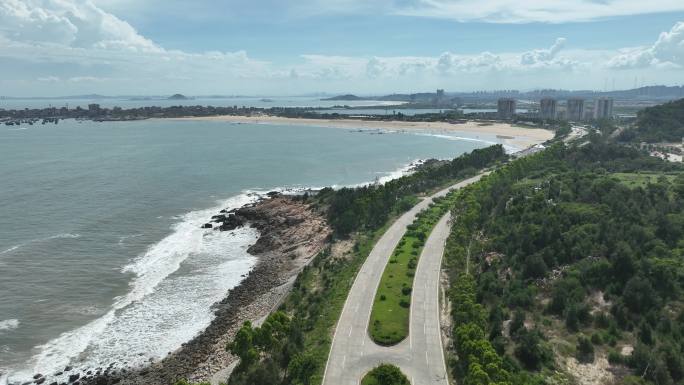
(420, 356)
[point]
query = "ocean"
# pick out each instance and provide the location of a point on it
(102, 258)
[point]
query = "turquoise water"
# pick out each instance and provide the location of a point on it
(101, 255)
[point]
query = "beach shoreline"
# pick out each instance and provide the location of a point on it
(514, 136)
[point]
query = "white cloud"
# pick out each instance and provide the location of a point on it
(543, 55)
(95, 79)
(666, 52)
(447, 64)
(75, 23)
(79, 37)
(83, 48)
(49, 79)
(533, 11)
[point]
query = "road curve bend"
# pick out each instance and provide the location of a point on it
(420, 356)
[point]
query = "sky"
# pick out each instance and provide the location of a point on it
(365, 47)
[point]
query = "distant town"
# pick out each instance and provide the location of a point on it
(540, 107)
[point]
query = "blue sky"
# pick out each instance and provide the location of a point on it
(58, 47)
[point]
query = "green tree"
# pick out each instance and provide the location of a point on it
(301, 368)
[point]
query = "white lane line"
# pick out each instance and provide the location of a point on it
(350, 330)
(344, 359)
(427, 362)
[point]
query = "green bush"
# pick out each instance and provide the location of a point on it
(385, 374)
(584, 350)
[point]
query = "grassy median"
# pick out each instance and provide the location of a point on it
(389, 322)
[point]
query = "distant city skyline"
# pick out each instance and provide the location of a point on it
(126, 47)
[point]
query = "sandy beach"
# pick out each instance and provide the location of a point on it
(515, 136)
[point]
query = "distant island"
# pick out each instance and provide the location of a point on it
(178, 97)
(345, 97)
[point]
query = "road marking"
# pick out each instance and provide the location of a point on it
(344, 359)
(350, 330)
(426, 359)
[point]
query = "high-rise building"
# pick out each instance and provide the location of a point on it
(603, 108)
(506, 108)
(575, 110)
(547, 108)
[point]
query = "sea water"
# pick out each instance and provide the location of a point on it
(102, 255)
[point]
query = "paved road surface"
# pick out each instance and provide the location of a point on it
(420, 356)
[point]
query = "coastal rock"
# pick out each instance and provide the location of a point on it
(290, 234)
(74, 377)
(68, 368)
(207, 226)
(40, 380)
(37, 376)
(232, 222)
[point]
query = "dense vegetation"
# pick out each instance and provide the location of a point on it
(367, 208)
(661, 123)
(292, 346)
(569, 254)
(389, 321)
(385, 374)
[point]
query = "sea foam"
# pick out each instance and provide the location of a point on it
(8, 324)
(176, 282)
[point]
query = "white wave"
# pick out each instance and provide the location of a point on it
(11, 249)
(9, 324)
(122, 240)
(458, 138)
(17, 129)
(37, 240)
(507, 147)
(176, 282)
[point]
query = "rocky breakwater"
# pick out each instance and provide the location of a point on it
(291, 234)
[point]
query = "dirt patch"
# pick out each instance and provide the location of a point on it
(595, 373)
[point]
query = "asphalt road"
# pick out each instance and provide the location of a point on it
(420, 356)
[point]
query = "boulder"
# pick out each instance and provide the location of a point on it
(207, 226)
(231, 222)
(39, 381)
(74, 377)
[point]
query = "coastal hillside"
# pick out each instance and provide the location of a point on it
(661, 123)
(348, 97)
(567, 267)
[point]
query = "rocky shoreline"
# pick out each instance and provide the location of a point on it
(291, 234)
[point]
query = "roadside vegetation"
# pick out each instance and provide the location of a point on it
(385, 374)
(569, 264)
(292, 345)
(350, 210)
(389, 321)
